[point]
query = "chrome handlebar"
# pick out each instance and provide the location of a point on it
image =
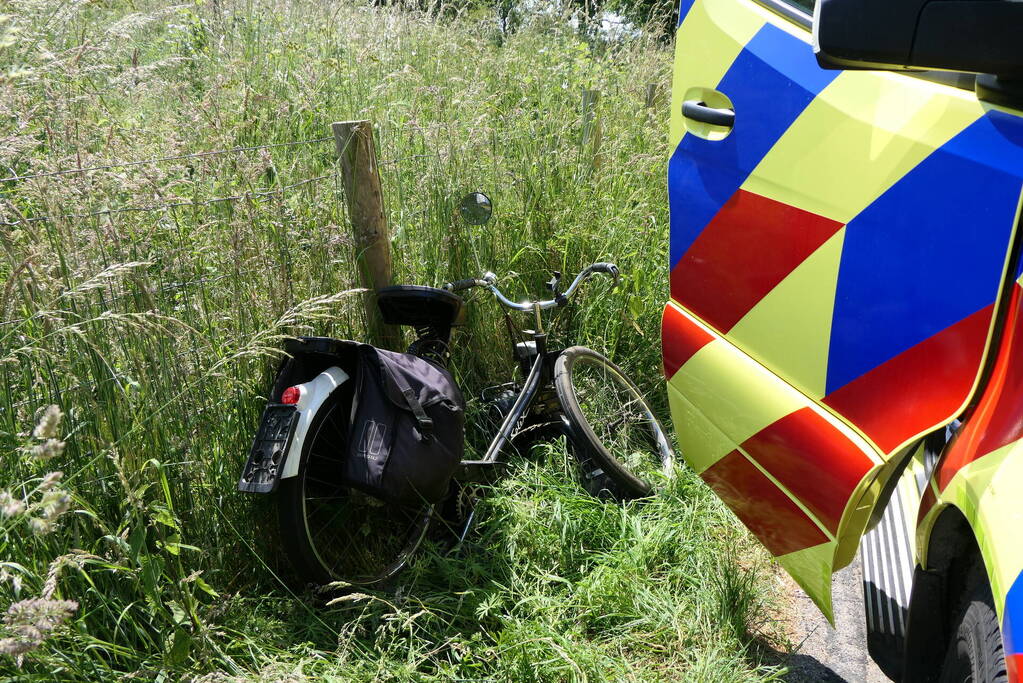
(489, 280)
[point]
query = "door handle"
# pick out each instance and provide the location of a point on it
(699, 111)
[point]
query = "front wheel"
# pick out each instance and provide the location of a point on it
(975, 652)
(612, 422)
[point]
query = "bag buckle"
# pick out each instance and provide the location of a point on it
(424, 420)
(426, 428)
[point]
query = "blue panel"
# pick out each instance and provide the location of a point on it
(928, 252)
(1012, 620)
(683, 9)
(1006, 156)
(770, 83)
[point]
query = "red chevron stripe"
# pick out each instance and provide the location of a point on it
(680, 339)
(812, 459)
(927, 392)
(764, 508)
(998, 418)
(1014, 667)
(750, 246)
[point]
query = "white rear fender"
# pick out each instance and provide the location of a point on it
(312, 395)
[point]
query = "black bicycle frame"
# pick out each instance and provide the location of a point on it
(486, 469)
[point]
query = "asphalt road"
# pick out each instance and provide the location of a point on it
(833, 655)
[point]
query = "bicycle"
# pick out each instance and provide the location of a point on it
(335, 534)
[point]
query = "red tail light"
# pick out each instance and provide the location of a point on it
(290, 396)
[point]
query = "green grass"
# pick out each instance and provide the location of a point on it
(155, 333)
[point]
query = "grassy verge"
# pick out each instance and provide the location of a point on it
(154, 331)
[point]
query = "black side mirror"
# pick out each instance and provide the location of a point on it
(981, 36)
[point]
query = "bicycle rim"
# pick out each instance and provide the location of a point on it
(350, 536)
(610, 413)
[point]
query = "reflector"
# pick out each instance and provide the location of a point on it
(291, 395)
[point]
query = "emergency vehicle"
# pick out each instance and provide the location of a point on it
(843, 343)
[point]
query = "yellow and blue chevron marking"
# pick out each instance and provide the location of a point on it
(892, 197)
(849, 237)
(771, 77)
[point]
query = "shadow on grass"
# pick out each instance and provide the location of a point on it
(552, 585)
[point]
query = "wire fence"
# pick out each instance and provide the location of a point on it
(107, 380)
(158, 160)
(416, 128)
(170, 205)
(155, 296)
(255, 194)
(56, 393)
(172, 287)
(490, 137)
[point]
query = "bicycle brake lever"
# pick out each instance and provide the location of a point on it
(552, 284)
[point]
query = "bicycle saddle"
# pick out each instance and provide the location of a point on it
(420, 306)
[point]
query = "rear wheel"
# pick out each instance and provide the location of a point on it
(611, 424)
(975, 652)
(332, 532)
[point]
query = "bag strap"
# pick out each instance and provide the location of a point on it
(424, 420)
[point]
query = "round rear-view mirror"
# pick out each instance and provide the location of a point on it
(476, 208)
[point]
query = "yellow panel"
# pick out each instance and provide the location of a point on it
(701, 443)
(707, 42)
(987, 492)
(999, 520)
(811, 568)
(723, 397)
(734, 392)
(790, 329)
(860, 135)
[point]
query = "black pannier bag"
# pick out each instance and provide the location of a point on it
(407, 428)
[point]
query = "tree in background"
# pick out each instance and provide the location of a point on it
(658, 17)
(592, 17)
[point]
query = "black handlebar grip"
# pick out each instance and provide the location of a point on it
(459, 285)
(605, 267)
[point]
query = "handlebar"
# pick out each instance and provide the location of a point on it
(459, 285)
(489, 280)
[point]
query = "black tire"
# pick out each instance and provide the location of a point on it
(612, 425)
(332, 532)
(974, 653)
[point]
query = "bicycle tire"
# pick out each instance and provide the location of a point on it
(365, 541)
(649, 461)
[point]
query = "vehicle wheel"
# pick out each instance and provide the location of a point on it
(332, 532)
(975, 650)
(612, 424)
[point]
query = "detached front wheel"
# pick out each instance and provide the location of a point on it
(611, 422)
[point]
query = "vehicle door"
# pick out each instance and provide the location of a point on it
(839, 244)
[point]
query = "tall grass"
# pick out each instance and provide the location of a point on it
(155, 332)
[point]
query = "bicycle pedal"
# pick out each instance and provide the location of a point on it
(479, 472)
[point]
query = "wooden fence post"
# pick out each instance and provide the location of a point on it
(356, 151)
(591, 132)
